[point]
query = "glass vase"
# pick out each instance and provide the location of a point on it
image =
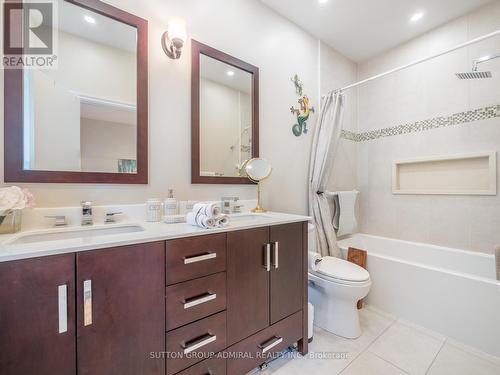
(11, 222)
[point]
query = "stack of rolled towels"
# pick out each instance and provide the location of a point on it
(207, 215)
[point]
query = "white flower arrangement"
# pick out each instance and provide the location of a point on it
(14, 198)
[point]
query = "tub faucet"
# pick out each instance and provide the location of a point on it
(87, 217)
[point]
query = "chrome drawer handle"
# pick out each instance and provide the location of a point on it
(62, 307)
(87, 302)
(276, 255)
(265, 347)
(267, 258)
(199, 343)
(199, 300)
(199, 258)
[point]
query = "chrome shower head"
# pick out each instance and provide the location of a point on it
(474, 75)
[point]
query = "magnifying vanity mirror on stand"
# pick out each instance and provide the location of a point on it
(225, 116)
(257, 170)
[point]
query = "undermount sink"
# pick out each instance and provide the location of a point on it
(248, 217)
(77, 233)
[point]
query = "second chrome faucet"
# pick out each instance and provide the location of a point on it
(87, 216)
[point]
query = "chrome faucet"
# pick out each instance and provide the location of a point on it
(87, 217)
(110, 217)
(229, 205)
(59, 220)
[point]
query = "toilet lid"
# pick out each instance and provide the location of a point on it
(342, 269)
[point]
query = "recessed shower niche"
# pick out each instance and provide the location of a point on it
(463, 174)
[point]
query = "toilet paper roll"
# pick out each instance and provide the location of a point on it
(314, 261)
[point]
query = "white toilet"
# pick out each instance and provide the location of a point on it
(334, 291)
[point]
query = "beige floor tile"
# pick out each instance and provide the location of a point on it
(373, 324)
(369, 363)
(328, 355)
(452, 360)
(386, 347)
(407, 348)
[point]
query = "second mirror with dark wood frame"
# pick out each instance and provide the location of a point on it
(224, 116)
(86, 119)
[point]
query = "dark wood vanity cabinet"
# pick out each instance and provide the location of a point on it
(250, 282)
(118, 310)
(265, 278)
(121, 325)
(37, 327)
(112, 330)
(247, 283)
(287, 273)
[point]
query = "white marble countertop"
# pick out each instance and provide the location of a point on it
(152, 232)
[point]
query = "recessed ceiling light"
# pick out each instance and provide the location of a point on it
(89, 19)
(417, 17)
(230, 73)
(322, 1)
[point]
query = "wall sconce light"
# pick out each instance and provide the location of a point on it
(174, 38)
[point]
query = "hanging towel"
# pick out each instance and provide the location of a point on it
(347, 205)
(336, 211)
(344, 211)
(209, 209)
(200, 220)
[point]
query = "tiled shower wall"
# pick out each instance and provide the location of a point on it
(414, 107)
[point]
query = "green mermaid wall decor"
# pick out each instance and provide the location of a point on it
(304, 111)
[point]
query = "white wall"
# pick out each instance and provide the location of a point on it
(94, 69)
(221, 112)
(104, 142)
(247, 30)
(419, 93)
(55, 124)
(88, 68)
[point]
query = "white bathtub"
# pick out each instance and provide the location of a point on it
(450, 291)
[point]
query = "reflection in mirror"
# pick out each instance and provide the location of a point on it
(225, 118)
(87, 106)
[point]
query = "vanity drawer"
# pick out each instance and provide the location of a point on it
(195, 299)
(193, 343)
(213, 366)
(189, 258)
(264, 344)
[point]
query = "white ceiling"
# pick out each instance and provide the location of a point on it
(216, 70)
(361, 29)
(105, 30)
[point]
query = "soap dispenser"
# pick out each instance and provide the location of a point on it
(170, 205)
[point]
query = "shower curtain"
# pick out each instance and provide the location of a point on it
(326, 138)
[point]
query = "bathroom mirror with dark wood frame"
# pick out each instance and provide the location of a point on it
(86, 120)
(224, 116)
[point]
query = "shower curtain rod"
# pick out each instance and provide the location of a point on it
(473, 41)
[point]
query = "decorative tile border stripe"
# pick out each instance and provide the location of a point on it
(434, 123)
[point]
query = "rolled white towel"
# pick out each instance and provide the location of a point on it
(209, 209)
(222, 221)
(200, 220)
(314, 260)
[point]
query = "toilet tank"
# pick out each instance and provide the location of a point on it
(311, 238)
